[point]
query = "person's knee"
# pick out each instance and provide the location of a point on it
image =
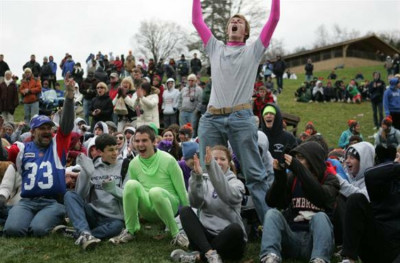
(356, 199)
(156, 195)
(69, 196)
(40, 230)
(13, 230)
(131, 186)
(273, 215)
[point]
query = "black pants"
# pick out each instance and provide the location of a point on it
(363, 236)
(229, 243)
(396, 119)
(385, 154)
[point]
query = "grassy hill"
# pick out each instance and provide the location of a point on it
(330, 119)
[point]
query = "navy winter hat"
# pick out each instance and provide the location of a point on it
(189, 149)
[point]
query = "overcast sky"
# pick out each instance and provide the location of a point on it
(55, 27)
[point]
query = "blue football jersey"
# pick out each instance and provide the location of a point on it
(42, 171)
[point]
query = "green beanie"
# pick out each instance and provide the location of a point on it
(269, 109)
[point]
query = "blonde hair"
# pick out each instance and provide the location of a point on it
(129, 81)
(102, 84)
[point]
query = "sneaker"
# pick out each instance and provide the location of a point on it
(345, 261)
(213, 257)
(271, 258)
(124, 237)
(64, 230)
(87, 241)
(317, 260)
(179, 255)
(181, 240)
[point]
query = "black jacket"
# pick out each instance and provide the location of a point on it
(383, 186)
(103, 103)
(320, 191)
(34, 66)
(279, 139)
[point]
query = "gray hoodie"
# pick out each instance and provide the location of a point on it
(170, 98)
(218, 197)
(101, 186)
(356, 183)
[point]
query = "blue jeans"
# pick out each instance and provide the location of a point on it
(36, 216)
(240, 129)
(30, 110)
(280, 239)
(85, 218)
(186, 117)
(87, 104)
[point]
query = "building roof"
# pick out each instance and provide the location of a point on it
(366, 42)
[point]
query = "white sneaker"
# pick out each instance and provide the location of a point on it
(181, 240)
(87, 241)
(317, 260)
(124, 237)
(213, 257)
(179, 255)
(64, 230)
(271, 258)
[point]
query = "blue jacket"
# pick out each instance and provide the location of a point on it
(68, 67)
(391, 97)
(53, 66)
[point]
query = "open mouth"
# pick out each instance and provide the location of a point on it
(234, 28)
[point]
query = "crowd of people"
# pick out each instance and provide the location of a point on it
(191, 155)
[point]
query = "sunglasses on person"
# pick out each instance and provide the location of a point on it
(119, 137)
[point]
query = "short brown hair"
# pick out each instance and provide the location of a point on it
(247, 25)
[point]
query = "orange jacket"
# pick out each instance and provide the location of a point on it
(34, 87)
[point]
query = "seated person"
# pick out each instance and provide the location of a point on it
(329, 92)
(41, 164)
(189, 149)
(387, 139)
(354, 129)
(95, 207)
(217, 230)
(10, 189)
(318, 92)
(353, 93)
(307, 196)
(372, 229)
(155, 190)
(303, 94)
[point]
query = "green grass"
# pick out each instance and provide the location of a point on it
(330, 119)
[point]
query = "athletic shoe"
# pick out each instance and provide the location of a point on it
(64, 230)
(317, 260)
(271, 258)
(179, 255)
(181, 240)
(213, 257)
(124, 237)
(87, 241)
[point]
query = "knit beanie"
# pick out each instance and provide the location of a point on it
(154, 127)
(388, 121)
(353, 152)
(186, 130)
(189, 149)
(269, 109)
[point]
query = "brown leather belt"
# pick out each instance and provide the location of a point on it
(228, 110)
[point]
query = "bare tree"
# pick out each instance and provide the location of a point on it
(159, 39)
(275, 48)
(391, 37)
(322, 38)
